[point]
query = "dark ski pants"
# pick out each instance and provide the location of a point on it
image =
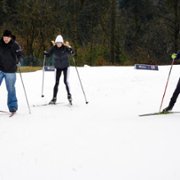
(58, 75)
(175, 95)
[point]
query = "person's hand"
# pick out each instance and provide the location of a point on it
(18, 64)
(45, 53)
(173, 56)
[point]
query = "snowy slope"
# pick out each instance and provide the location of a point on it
(102, 140)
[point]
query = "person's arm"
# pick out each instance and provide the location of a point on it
(49, 52)
(18, 52)
(69, 48)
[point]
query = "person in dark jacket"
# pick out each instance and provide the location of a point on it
(10, 55)
(60, 53)
(176, 92)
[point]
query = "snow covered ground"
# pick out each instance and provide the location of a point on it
(102, 140)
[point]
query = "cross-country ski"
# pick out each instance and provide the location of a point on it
(159, 113)
(10, 114)
(48, 104)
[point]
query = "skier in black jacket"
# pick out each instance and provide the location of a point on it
(10, 56)
(175, 95)
(60, 53)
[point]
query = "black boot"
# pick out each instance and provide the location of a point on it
(167, 109)
(70, 98)
(53, 101)
(170, 106)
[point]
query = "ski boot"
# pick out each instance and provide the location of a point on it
(53, 101)
(70, 99)
(167, 109)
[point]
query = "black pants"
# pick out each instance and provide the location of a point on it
(58, 75)
(175, 94)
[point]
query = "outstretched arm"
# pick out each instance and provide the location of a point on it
(69, 48)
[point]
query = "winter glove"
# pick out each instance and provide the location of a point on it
(45, 53)
(18, 64)
(173, 56)
(176, 56)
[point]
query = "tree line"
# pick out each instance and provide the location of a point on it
(103, 32)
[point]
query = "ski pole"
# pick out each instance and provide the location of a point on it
(166, 83)
(42, 89)
(80, 81)
(24, 90)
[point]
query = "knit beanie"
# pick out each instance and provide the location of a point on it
(59, 38)
(7, 33)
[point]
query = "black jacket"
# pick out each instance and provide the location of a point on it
(10, 55)
(60, 56)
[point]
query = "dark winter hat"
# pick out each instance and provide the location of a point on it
(7, 33)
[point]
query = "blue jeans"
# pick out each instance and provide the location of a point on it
(10, 80)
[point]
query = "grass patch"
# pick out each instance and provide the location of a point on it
(29, 68)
